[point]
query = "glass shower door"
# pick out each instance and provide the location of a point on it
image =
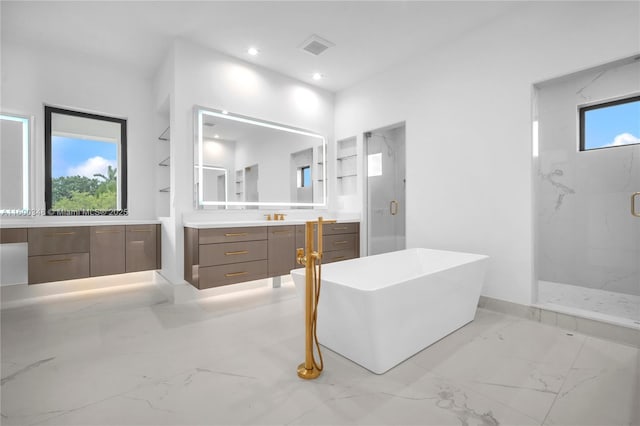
(385, 150)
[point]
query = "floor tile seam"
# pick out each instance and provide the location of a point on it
(437, 371)
(463, 385)
(566, 377)
(81, 407)
(496, 331)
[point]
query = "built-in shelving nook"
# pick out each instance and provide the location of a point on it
(163, 161)
(347, 166)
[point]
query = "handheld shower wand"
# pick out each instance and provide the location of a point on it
(310, 369)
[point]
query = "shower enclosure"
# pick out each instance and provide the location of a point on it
(586, 147)
(385, 171)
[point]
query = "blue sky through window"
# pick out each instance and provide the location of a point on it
(612, 126)
(83, 157)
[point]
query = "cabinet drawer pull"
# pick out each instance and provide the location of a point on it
(339, 228)
(140, 230)
(236, 234)
(339, 258)
(59, 261)
(108, 232)
(339, 243)
(234, 253)
(53, 234)
(281, 232)
(235, 274)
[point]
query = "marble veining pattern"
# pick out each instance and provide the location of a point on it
(126, 357)
(562, 189)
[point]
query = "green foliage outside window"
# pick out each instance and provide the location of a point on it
(83, 193)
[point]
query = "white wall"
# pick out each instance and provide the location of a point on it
(210, 79)
(31, 77)
(467, 108)
(586, 234)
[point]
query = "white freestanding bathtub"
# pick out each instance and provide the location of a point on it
(380, 310)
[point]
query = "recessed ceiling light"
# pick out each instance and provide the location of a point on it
(317, 76)
(253, 51)
(217, 136)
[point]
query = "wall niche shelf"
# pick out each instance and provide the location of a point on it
(164, 136)
(166, 162)
(347, 166)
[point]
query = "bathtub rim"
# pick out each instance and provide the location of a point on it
(474, 257)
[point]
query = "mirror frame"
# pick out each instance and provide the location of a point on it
(27, 137)
(200, 112)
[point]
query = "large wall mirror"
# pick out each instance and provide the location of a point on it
(15, 139)
(242, 162)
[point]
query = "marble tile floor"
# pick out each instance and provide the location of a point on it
(127, 357)
(603, 305)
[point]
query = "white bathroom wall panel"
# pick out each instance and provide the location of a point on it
(467, 107)
(587, 236)
(31, 77)
(211, 79)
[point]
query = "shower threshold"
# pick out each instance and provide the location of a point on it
(605, 306)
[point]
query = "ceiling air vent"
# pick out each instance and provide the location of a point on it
(315, 45)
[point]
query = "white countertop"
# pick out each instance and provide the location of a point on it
(240, 223)
(49, 222)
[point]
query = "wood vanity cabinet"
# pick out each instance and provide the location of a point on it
(220, 256)
(282, 250)
(71, 252)
(58, 253)
(140, 247)
(107, 250)
(13, 235)
(340, 241)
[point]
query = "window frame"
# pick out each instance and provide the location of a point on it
(301, 177)
(581, 120)
(122, 172)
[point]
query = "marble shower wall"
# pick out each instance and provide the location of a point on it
(586, 234)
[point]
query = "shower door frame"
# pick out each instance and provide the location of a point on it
(364, 236)
(535, 171)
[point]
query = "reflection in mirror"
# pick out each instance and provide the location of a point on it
(217, 189)
(269, 164)
(14, 169)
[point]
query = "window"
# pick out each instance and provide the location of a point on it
(85, 163)
(374, 165)
(610, 124)
(304, 177)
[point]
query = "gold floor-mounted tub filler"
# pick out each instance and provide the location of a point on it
(312, 260)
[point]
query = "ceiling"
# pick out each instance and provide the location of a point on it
(369, 37)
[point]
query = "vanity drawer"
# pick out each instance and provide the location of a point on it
(338, 255)
(58, 267)
(339, 242)
(226, 253)
(215, 276)
(340, 228)
(68, 239)
(13, 235)
(225, 235)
